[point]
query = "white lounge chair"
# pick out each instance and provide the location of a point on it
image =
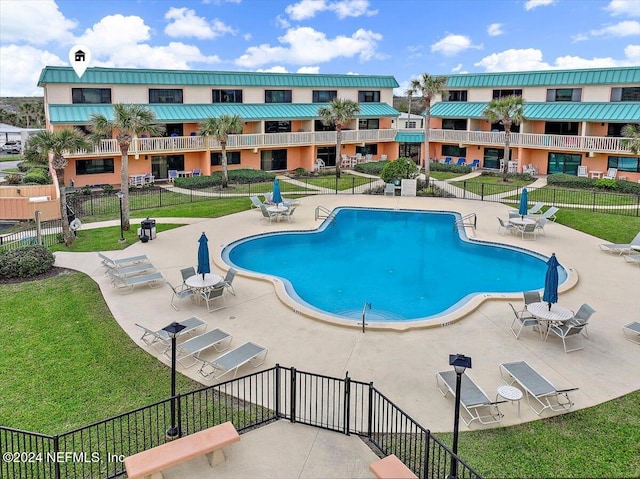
(622, 248)
(153, 338)
(536, 387)
(233, 360)
(122, 262)
(127, 284)
(255, 202)
(631, 331)
(473, 399)
(632, 258)
(133, 270)
(536, 208)
(191, 348)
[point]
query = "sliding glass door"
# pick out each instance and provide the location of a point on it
(563, 163)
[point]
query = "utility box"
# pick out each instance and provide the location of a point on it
(147, 230)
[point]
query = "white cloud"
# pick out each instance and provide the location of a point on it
(457, 68)
(453, 44)
(26, 64)
(628, 8)
(306, 9)
(495, 29)
(580, 37)
(247, 37)
(273, 69)
(282, 22)
(314, 70)
(415, 51)
(113, 34)
(304, 45)
(531, 4)
(34, 23)
(185, 23)
(621, 29)
(531, 59)
(175, 55)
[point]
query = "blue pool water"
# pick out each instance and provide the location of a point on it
(408, 264)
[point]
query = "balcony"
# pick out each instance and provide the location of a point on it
(178, 144)
(597, 144)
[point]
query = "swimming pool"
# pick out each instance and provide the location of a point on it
(410, 265)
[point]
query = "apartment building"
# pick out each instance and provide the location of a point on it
(573, 118)
(282, 129)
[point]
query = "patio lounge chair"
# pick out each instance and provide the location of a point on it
(537, 388)
(255, 202)
(122, 262)
(152, 338)
(133, 270)
(504, 227)
(524, 321)
(473, 399)
(622, 248)
(631, 331)
(126, 284)
(233, 360)
(536, 208)
(180, 292)
(191, 348)
(632, 258)
(290, 202)
(211, 295)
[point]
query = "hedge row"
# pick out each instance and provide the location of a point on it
(240, 176)
(371, 168)
(580, 182)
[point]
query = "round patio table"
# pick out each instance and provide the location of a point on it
(557, 313)
(196, 281)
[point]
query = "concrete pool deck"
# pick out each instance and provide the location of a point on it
(403, 365)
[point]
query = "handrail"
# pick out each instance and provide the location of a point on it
(322, 209)
(366, 306)
(465, 221)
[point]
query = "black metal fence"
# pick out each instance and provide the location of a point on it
(49, 234)
(337, 404)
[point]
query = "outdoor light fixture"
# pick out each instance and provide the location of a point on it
(119, 194)
(460, 363)
(173, 330)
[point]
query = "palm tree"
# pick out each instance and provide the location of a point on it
(428, 86)
(632, 140)
(220, 128)
(339, 113)
(27, 112)
(507, 110)
(57, 144)
(129, 121)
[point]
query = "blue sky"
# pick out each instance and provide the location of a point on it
(384, 37)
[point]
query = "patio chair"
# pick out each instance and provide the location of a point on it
(461, 161)
(631, 332)
(514, 214)
(289, 213)
(133, 270)
(173, 174)
(536, 208)
(540, 225)
(151, 338)
(191, 348)
(524, 321)
(255, 202)
(233, 360)
(612, 173)
(504, 227)
(187, 273)
(196, 172)
(474, 401)
(389, 189)
(447, 160)
(528, 229)
(180, 292)
(268, 215)
(565, 331)
(582, 316)
(537, 388)
(582, 171)
(228, 279)
(212, 295)
(474, 164)
(632, 258)
(319, 164)
(622, 248)
(383, 157)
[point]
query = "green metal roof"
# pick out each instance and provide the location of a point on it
(412, 137)
(79, 114)
(568, 111)
(550, 78)
(129, 76)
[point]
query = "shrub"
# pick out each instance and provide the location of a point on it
(562, 180)
(85, 190)
(397, 169)
(25, 166)
(107, 189)
(606, 184)
(512, 176)
(371, 168)
(13, 179)
(240, 176)
(37, 175)
(301, 172)
(25, 262)
(435, 166)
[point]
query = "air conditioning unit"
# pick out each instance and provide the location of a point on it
(591, 154)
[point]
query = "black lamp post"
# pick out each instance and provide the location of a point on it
(460, 362)
(173, 330)
(119, 194)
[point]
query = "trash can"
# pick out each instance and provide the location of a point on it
(147, 230)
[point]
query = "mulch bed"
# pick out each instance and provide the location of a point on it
(55, 271)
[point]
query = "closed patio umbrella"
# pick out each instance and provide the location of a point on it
(277, 196)
(524, 202)
(551, 281)
(203, 255)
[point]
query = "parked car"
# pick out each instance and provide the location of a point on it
(12, 146)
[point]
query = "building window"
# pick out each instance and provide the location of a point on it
(497, 126)
(454, 124)
(91, 95)
(94, 167)
(277, 127)
(324, 96)
(233, 158)
(319, 126)
(454, 150)
(411, 124)
(502, 93)
(372, 96)
(368, 124)
(165, 95)
(367, 149)
(564, 94)
(561, 128)
(629, 93)
(409, 150)
(615, 129)
(226, 96)
(455, 95)
(624, 163)
(273, 160)
(327, 154)
(277, 96)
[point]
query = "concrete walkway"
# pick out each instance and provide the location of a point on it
(401, 364)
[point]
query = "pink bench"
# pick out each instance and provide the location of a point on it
(391, 468)
(210, 442)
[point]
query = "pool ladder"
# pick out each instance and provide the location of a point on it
(364, 314)
(322, 212)
(467, 220)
